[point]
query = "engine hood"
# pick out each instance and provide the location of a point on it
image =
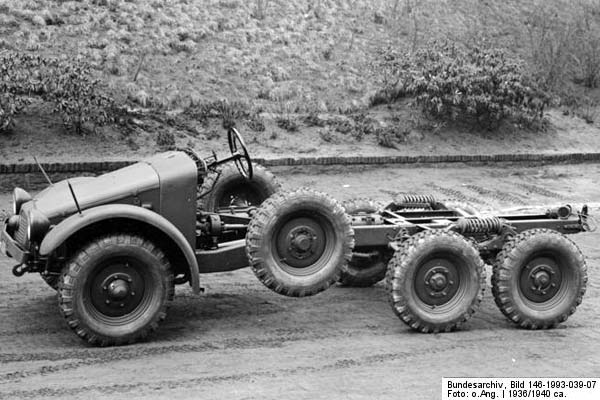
(56, 200)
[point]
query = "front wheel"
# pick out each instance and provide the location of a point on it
(299, 242)
(435, 281)
(539, 279)
(116, 289)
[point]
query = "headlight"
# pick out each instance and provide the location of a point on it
(12, 224)
(38, 226)
(20, 197)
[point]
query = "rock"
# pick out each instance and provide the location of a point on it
(39, 20)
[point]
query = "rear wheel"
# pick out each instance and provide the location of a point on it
(367, 266)
(225, 188)
(539, 279)
(435, 281)
(299, 242)
(116, 290)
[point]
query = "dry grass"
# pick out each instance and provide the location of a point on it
(297, 50)
(259, 51)
(314, 56)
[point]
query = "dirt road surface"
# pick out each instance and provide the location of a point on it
(241, 341)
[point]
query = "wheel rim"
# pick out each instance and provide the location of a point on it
(438, 281)
(120, 291)
(302, 243)
(542, 281)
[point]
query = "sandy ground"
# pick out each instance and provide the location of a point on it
(241, 341)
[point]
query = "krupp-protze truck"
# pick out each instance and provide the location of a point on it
(114, 246)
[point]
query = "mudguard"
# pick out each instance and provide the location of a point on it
(70, 226)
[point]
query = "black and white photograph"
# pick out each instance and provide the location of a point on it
(306, 199)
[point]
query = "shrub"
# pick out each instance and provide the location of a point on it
(10, 105)
(256, 123)
(17, 84)
(455, 83)
(165, 139)
(69, 85)
(228, 112)
(342, 125)
(287, 122)
(386, 137)
(363, 125)
(564, 46)
(77, 98)
(388, 66)
(585, 51)
(313, 119)
(549, 37)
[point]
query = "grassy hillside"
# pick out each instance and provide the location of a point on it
(279, 57)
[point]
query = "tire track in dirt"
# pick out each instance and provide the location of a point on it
(496, 194)
(345, 363)
(455, 194)
(34, 331)
(101, 356)
(540, 191)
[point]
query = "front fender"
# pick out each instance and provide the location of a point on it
(70, 226)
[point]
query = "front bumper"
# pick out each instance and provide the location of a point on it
(10, 248)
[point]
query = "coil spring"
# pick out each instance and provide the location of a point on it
(417, 198)
(479, 225)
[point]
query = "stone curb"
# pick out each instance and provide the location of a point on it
(99, 166)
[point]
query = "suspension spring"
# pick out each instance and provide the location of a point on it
(418, 198)
(415, 201)
(479, 225)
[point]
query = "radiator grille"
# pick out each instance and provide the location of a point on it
(21, 235)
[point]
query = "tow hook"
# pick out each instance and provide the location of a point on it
(19, 270)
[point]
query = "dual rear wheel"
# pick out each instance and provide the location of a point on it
(539, 278)
(436, 280)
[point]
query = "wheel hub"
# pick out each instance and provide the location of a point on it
(437, 281)
(117, 289)
(540, 279)
(300, 242)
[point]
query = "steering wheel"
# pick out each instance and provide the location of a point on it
(239, 153)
